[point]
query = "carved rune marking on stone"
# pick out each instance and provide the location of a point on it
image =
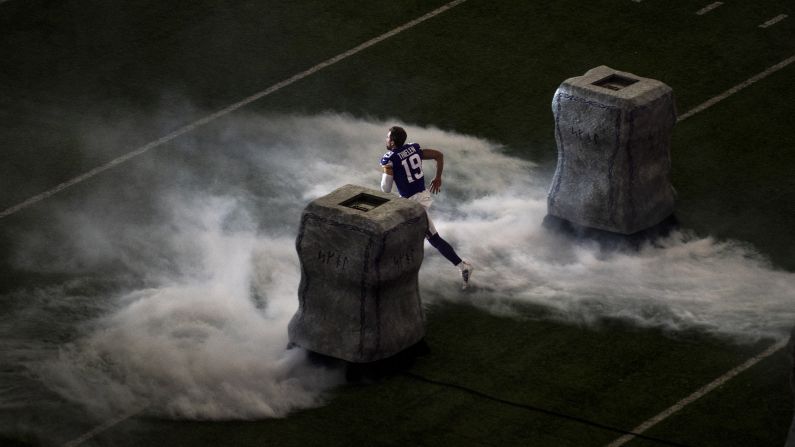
(406, 256)
(330, 257)
(581, 134)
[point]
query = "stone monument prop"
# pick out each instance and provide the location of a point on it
(360, 252)
(613, 132)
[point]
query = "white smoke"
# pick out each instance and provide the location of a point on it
(206, 336)
(206, 344)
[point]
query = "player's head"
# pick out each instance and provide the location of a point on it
(396, 135)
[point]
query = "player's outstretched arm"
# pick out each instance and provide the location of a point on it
(386, 179)
(438, 157)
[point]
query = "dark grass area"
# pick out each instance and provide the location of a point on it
(512, 381)
(733, 168)
(148, 68)
(487, 69)
(496, 79)
(739, 412)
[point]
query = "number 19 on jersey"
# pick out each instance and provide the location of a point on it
(413, 167)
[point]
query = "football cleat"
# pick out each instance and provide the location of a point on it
(466, 272)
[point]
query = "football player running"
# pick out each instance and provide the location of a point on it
(402, 165)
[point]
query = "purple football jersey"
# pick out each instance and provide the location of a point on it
(406, 164)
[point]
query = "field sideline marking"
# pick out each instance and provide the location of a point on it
(227, 110)
(101, 428)
(773, 21)
(711, 102)
(185, 129)
(700, 393)
(276, 87)
(708, 8)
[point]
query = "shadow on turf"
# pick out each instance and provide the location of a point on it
(608, 240)
(10, 442)
(363, 373)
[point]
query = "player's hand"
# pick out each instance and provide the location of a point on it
(436, 185)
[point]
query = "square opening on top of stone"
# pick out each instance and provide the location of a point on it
(364, 202)
(615, 82)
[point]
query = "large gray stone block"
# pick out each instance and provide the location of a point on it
(613, 132)
(360, 252)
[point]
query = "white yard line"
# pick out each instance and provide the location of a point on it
(708, 8)
(225, 111)
(773, 21)
(278, 86)
(700, 393)
(754, 79)
(99, 429)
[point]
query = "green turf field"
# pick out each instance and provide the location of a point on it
(139, 70)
